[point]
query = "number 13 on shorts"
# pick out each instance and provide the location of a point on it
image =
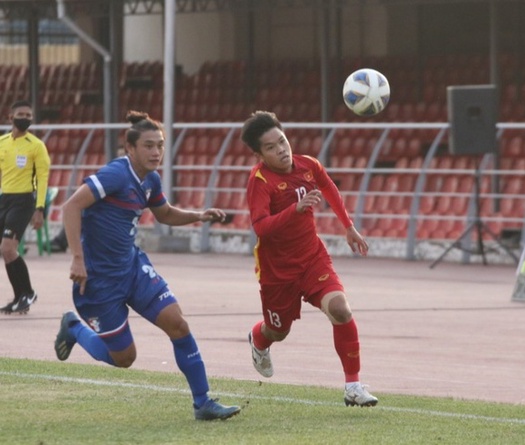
(274, 318)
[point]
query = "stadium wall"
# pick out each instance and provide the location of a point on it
(360, 28)
(371, 28)
(278, 34)
(138, 47)
(402, 28)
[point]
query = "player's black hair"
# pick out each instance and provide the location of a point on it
(140, 122)
(21, 103)
(256, 125)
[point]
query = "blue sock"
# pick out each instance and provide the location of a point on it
(91, 342)
(189, 361)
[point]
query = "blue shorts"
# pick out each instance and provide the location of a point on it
(106, 301)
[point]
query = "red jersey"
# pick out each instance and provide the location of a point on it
(287, 239)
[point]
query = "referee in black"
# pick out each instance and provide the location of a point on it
(24, 172)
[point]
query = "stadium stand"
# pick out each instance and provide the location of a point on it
(222, 91)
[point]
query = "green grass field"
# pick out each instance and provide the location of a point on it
(44, 403)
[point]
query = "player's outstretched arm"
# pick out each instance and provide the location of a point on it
(356, 241)
(174, 216)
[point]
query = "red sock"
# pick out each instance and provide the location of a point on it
(346, 342)
(259, 340)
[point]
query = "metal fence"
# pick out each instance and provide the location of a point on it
(498, 205)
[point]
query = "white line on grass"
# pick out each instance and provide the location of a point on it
(252, 396)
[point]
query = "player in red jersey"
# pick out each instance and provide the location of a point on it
(292, 263)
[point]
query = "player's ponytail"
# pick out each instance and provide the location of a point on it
(136, 116)
(140, 122)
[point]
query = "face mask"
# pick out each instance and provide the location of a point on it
(22, 124)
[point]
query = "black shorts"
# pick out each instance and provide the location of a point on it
(16, 211)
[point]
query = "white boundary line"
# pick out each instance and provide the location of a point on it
(252, 396)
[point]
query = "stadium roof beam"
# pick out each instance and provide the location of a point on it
(47, 8)
(13, 10)
(182, 6)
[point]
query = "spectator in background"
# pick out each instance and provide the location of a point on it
(24, 171)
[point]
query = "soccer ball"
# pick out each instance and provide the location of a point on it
(366, 92)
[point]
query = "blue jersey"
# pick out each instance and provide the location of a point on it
(109, 226)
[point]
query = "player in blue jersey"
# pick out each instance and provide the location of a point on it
(111, 274)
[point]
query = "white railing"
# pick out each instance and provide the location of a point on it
(372, 167)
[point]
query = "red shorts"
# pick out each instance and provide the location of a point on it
(281, 303)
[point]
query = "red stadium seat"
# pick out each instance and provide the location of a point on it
(241, 221)
(341, 147)
(222, 199)
(515, 147)
(147, 218)
(426, 228)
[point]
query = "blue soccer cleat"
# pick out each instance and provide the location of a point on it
(65, 341)
(212, 410)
